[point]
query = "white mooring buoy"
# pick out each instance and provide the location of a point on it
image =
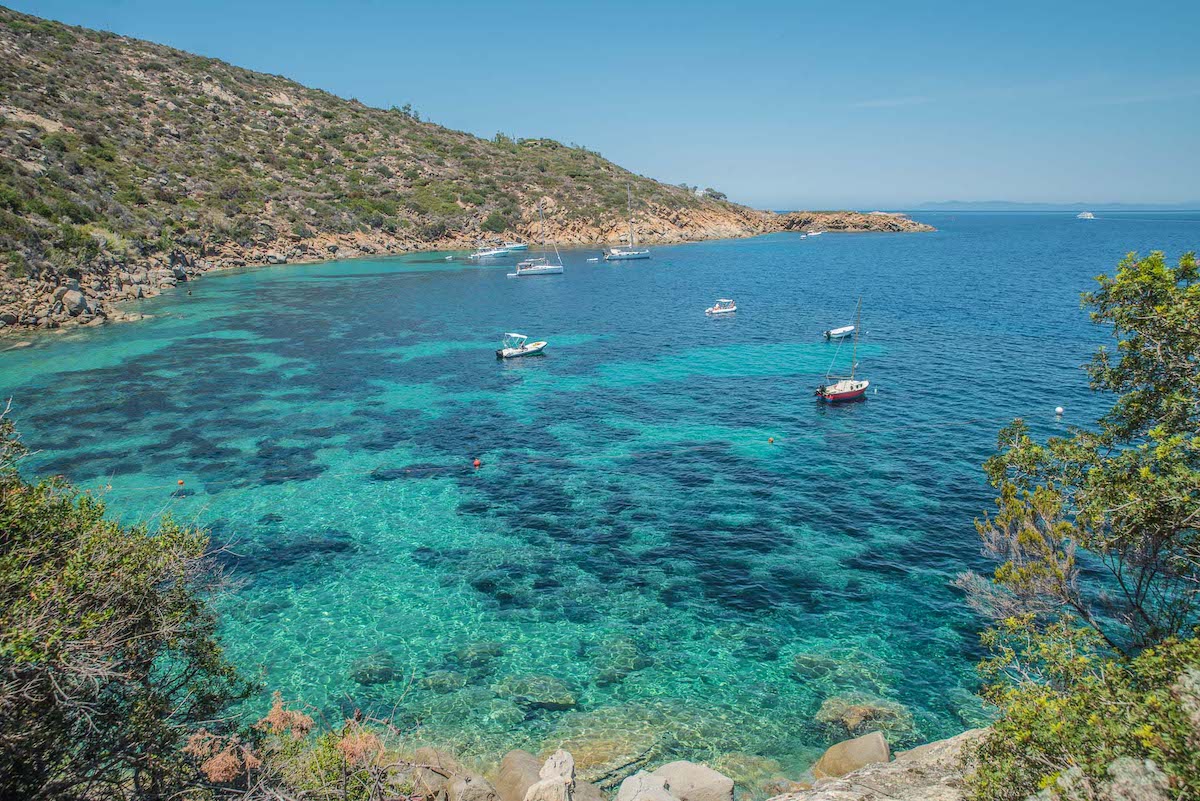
(1058, 410)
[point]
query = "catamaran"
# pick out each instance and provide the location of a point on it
(514, 345)
(539, 265)
(722, 306)
(488, 253)
(625, 254)
(837, 389)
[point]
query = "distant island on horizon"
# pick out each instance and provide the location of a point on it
(1021, 205)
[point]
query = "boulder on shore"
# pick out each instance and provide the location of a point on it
(518, 772)
(470, 787)
(689, 781)
(643, 786)
(850, 755)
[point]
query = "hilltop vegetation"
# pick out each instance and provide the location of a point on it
(126, 165)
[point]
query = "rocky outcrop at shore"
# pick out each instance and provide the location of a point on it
(857, 770)
(932, 772)
(52, 297)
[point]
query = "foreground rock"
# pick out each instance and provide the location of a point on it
(850, 755)
(689, 781)
(931, 772)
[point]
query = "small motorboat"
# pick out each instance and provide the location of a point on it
(839, 333)
(722, 306)
(815, 233)
(1085, 215)
(596, 258)
(515, 345)
(488, 253)
(516, 245)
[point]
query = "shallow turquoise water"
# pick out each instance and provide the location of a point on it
(631, 533)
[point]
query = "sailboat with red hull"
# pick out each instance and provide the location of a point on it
(839, 389)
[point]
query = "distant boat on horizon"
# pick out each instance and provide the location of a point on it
(619, 254)
(1085, 215)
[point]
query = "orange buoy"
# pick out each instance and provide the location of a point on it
(771, 440)
(477, 463)
(180, 482)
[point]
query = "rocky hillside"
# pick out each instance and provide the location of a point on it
(126, 166)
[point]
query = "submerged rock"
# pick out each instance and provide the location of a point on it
(618, 658)
(857, 714)
(444, 681)
(537, 692)
(477, 655)
(376, 668)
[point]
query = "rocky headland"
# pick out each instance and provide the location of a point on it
(127, 167)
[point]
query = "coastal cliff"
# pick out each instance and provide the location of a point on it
(126, 167)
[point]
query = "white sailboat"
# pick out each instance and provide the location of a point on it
(631, 252)
(838, 389)
(539, 265)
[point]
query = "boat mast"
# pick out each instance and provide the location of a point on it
(629, 201)
(857, 325)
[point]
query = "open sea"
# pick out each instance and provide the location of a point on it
(635, 570)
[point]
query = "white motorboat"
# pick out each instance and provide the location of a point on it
(722, 306)
(631, 252)
(839, 333)
(594, 258)
(815, 233)
(516, 245)
(1085, 215)
(515, 345)
(488, 253)
(539, 265)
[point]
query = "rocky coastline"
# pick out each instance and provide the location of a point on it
(54, 299)
(862, 769)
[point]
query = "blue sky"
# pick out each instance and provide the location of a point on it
(781, 105)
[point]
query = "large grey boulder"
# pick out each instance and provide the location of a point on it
(556, 779)
(470, 787)
(689, 781)
(850, 755)
(434, 770)
(518, 772)
(74, 302)
(933, 772)
(643, 786)
(1132, 779)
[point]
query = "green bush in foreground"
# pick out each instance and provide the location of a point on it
(1097, 595)
(1083, 712)
(108, 656)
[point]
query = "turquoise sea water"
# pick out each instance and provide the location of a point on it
(632, 534)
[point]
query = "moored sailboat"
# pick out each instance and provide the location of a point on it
(838, 389)
(539, 265)
(625, 254)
